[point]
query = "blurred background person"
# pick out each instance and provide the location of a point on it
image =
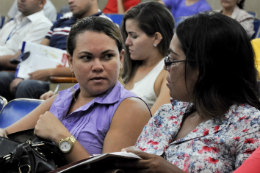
(234, 9)
(181, 9)
(119, 6)
(48, 9)
(147, 39)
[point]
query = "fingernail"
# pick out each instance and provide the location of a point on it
(123, 150)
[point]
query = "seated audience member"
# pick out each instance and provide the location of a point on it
(181, 9)
(98, 112)
(251, 164)
(234, 9)
(147, 39)
(48, 9)
(119, 6)
(57, 38)
(212, 124)
(31, 25)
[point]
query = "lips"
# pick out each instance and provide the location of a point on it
(98, 78)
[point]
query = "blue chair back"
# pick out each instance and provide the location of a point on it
(59, 15)
(256, 27)
(2, 21)
(116, 18)
(252, 13)
(16, 109)
(3, 102)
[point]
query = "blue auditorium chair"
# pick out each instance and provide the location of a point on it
(256, 27)
(2, 22)
(252, 13)
(16, 109)
(3, 102)
(116, 18)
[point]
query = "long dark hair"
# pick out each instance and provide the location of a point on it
(222, 52)
(241, 4)
(152, 17)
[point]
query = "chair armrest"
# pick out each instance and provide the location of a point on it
(56, 79)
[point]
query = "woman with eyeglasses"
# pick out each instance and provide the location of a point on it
(212, 124)
(147, 30)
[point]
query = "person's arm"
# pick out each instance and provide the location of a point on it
(45, 42)
(149, 163)
(5, 61)
(45, 74)
(30, 120)
(120, 7)
(127, 124)
(162, 92)
(160, 1)
(251, 164)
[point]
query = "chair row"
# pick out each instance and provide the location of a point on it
(15, 110)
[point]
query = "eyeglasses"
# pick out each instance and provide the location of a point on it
(168, 63)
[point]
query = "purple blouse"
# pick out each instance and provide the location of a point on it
(90, 123)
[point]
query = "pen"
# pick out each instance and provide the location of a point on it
(56, 89)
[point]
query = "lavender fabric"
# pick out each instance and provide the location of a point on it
(90, 123)
(180, 10)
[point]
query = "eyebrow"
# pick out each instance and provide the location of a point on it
(170, 50)
(86, 52)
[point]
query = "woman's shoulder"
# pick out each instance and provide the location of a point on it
(244, 114)
(241, 15)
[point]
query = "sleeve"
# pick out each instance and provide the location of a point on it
(37, 32)
(50, 32)
(248, 25)
(171, 3)
(13, 10)
(251, 164)
(248, 143)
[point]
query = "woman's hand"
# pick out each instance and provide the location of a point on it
(149, 163)
(49, 127)
(3, 133)
(47, 95)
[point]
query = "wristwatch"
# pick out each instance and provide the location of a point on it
(66, 144)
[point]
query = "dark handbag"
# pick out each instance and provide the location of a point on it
(23, 152)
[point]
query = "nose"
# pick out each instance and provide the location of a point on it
(128, 41)
(97, 66)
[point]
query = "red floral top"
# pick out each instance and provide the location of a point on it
(218, 147)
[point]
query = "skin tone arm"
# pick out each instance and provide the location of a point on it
(149, 163)
(160, 1)
(120, 7)
(162, 91)
(126, 125)
(5, 61)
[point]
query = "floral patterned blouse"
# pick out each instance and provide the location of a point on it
(211, 147)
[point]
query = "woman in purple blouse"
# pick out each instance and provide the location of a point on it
(97, 115)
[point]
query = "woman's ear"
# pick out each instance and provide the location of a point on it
(157, 39)
(70, 62)
(122, 53)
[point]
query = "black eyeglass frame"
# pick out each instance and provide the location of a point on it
(169, 63)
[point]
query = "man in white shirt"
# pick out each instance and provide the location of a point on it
(48, 9)
(31, 25)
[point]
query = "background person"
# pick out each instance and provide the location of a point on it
(181, 9)
(234, 9)
(119, 6)
(213, 123)
(57, 38)
(95, 111)
(48, 9)
(147, 39)
(31, 25)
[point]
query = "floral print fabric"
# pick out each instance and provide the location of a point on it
(218, 147)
